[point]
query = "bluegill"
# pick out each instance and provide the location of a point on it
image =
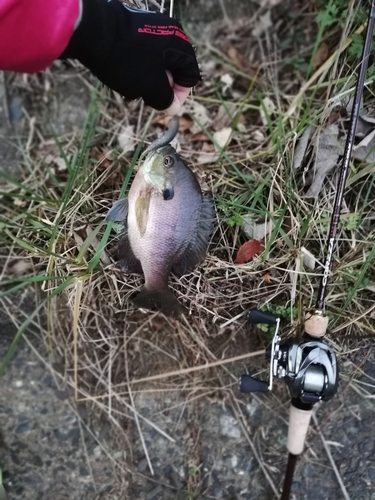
(168, 224)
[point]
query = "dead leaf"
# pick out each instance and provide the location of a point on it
(184, 123)
(126, 138)
(308, 258)
(239, 61)
(19, 202)
(103, 159)
(248, 250)
(20, 266)
(279, 243)
(207, 157)
(263, 24)
(227, 81)
(301, 147)
(267, 278)
(199, 112)
(224, 116)
(267, 109)
(329, 145)
(200, 137)
(222, 138)
(321, 55)
(327, 153)
(257, 229)
(337, 113)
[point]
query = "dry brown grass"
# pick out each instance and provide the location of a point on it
(111, 352)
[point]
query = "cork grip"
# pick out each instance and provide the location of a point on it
(316, 324)
(299, 421)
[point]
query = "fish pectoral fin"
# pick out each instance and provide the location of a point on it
(159, 300)
(142, 206)
(127, 260)
(196, 250)
(119, 211)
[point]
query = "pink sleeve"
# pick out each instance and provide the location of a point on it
(33, 33)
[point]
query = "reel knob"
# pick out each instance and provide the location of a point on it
(251, 384)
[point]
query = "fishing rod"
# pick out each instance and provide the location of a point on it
(309, 367)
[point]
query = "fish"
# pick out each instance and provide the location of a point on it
(168, 224)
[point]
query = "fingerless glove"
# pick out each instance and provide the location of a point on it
(130, 49)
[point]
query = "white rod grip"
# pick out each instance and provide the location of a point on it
(299, 421)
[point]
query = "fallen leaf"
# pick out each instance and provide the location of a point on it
(103, 159)
(308, 258)
(301, 147)
(267, 109)
(20, 266)
(222, 138)
(257, 229)
(279, 243)
(227, 81)
(248, 250)
(327, 153)
(224, 116)
(337, 113)
(19, 202)
(207, 157)
(329, 145)
(126, 138)
(163, 120)
(237, 58)
(199, 137)
(184, 123)
(321, 55)
(267, 278)
(199, 112)
(263, 24)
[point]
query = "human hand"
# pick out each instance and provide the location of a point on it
(131, 51)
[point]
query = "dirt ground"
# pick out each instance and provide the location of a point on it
(203, 443)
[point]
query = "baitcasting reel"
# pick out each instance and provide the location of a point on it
(309, 368)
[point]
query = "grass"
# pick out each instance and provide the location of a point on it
(53, 222)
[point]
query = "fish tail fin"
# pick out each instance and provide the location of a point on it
(159, 300)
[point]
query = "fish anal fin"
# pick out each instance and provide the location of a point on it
(119, 211)
(127, 260)
(159, 300)
(196, 250)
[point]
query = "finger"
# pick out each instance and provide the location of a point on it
(180, 95)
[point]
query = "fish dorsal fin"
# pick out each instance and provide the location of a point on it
(142, 206)
(195, 252)
(119, 211)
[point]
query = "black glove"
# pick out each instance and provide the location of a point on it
(130, 49)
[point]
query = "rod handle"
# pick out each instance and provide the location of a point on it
(299, 421)
(316, 324)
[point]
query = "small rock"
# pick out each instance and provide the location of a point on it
(23, 427)
(229, 427)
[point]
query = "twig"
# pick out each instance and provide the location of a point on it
(77, 301)
(132, 403)
(240, 418)
(335, 470)
(197, 368)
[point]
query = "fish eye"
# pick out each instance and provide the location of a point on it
(168, 194)
(168, 161)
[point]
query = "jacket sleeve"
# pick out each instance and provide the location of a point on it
(35, 32)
